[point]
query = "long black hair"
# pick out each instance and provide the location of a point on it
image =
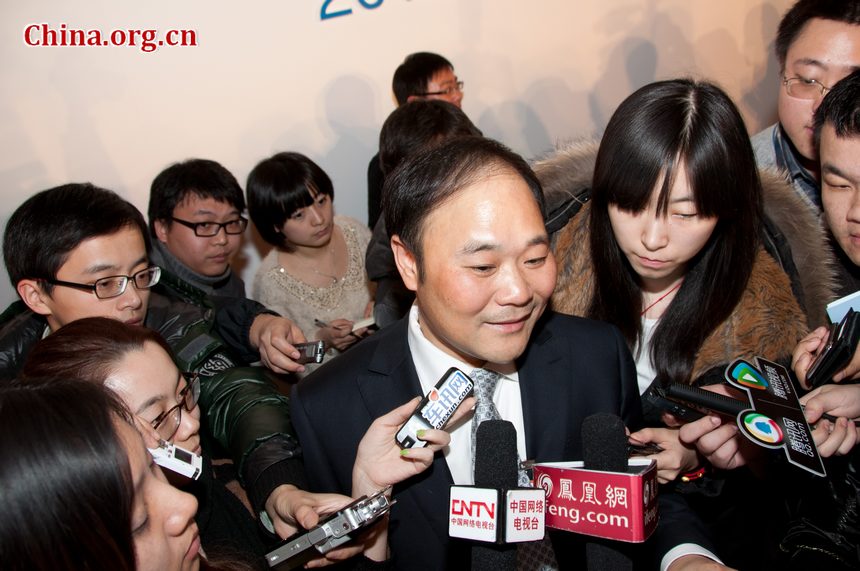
(656, 129)
(65, 481)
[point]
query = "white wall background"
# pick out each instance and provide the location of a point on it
(270, 75)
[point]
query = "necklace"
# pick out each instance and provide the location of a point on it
(334, 279)
(329, 276)
(661, 298)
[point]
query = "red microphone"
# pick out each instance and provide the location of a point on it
(606, 496)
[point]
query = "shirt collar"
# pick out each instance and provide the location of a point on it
(431, 362)
(786, 158)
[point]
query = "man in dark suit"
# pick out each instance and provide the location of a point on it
(468, 235)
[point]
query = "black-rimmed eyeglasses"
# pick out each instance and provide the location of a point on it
(209, 229)
(167, 424)
(114, 286)
(456, 88)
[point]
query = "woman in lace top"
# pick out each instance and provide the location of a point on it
(315, 273)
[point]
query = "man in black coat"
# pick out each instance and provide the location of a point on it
(466, 220)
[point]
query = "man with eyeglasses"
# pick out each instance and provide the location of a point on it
(195, 220)
(195, 215)
(422, 75)
(817, 44)
(79, 251)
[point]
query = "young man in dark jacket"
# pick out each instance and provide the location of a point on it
(195, 219)
(80, 251)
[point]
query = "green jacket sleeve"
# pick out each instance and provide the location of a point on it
(241, 405)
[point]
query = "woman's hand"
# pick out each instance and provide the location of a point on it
(380, 462)
(338, 334)
(720, 443)
(843, 401)
(804, 355)
(274, 337)
(676, 458)
(292, 509)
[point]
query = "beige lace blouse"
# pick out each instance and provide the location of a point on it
(347, 298)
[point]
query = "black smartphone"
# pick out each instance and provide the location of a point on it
(837, 350)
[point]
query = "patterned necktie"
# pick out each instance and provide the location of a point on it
(533, 555)
(485, 386)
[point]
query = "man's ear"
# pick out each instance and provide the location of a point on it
(407, 265)
(34, 296)
(161, 228)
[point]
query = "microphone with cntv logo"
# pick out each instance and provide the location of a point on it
(495, 468)
(495, 510)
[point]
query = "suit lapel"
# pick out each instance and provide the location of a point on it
(390, 381)
(546, 391)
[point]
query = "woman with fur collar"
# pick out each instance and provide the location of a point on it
(673, 247)
(693, 255)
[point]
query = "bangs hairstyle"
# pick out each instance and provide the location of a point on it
(841, 109)
(65, 484)
(199, 177)
(427, 179)
(665, 130)
(42, 232)
(278, 187)
(91, 348)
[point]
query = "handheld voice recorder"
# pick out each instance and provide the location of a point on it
(436, 408)
(311, 352)
(295, 551)
(179, 460)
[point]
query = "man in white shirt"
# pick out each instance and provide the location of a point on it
(466, 220)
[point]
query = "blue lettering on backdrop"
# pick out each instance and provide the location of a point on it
(327, 12)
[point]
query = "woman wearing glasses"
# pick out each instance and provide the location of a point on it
(135, 363)
(79, 489)
(315, 273)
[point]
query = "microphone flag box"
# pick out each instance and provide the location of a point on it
(621, 506)
(497, 516)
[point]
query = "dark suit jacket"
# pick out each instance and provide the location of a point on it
(572, 368)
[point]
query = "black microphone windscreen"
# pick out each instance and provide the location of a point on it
(604, 448)
(496, 465)
(604, 443)
(496, 455)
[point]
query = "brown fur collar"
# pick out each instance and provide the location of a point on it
(571, 168)
(768, 321)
